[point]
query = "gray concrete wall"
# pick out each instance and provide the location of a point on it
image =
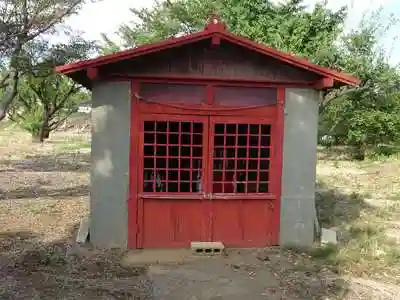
(110, 164)
(299, 167)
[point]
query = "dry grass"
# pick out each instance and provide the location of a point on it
(359, 200)
(44, 195)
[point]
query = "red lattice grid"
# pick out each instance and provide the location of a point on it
(241, 158)
(173, 156)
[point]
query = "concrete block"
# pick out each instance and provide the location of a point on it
(328, 236)
(83, 231)
(207, 247)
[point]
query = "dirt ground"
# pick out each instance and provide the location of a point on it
(44, 195)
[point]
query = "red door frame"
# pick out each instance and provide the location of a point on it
(276, 111)
(141, 197)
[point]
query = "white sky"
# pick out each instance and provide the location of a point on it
(106, 15)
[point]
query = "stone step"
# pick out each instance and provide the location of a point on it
(83, 232)
(207, 248)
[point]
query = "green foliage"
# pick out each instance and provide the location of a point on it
(31, 120)
(364, 117)
(44, 98)
(287, 26)
(367, 117)
(22, 24)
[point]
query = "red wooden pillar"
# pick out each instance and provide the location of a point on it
(133, 218)
(280, 124)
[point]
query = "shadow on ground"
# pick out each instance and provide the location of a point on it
(335, 153)
(335, 207)
(32, 269)
(338, 210)
(63, 162)
(36, 191)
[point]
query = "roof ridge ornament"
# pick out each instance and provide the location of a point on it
(214, 23)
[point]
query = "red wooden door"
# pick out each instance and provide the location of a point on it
(204, 179)
(241, 185)
(173, 209)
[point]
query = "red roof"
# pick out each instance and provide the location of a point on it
(213, 29)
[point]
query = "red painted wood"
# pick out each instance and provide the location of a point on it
(215, 24)
(203, 35)
(173, 223)
(215, 41)
(279, 135)
(241, 220)
(173, 220)
(257, 223)
(93, 73)
(214, 81)
(256, 111)
(325, 82)
(169, 219)
(209, 95)
(243, 223)
(133, 172)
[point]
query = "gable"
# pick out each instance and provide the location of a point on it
(200, 59)
(232, 57)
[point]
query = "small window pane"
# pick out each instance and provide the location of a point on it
(171, 164)
(245, 96)
(178, 93)
(241, 162)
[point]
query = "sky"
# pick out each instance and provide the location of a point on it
(106, 16)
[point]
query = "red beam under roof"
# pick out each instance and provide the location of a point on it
(216, 31)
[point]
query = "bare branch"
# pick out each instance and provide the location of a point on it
(3, 82)
(55, 124)
(57, 18)
(72, 90)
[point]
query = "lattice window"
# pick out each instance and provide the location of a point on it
(244, 96)
(173, 157)
(173, 93)
(241, 158)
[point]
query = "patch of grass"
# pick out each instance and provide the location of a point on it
(5, 294)
(335, 208)
(43, 208)
(395, 197)
(368, 252)
(74, 146)
(327, 252)
(364, 249)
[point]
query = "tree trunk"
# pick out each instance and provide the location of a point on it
(359, 152)
(10, 93)
(44, 132)
(36, 138)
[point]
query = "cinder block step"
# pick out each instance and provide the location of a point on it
(83, 232)
(207, 248)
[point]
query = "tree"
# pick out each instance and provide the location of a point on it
(44, 98)
(44, 103)
(367, 116)
(288, 27)
(361, 116)
(21, 22)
